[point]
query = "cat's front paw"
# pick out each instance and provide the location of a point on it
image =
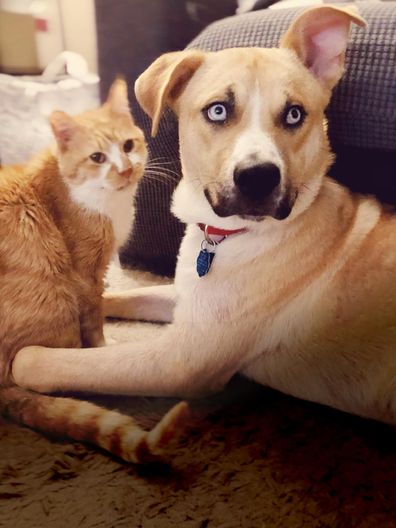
(94, 339)
(26, 369)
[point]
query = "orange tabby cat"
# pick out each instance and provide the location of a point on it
(62, 217)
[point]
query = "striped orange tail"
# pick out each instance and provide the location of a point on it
(83, 421)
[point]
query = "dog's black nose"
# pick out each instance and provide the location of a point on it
(257, 181)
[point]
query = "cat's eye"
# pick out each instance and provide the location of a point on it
(98, 157)
(128, 145)
(293, 116)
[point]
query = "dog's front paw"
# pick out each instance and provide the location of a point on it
(110, 341)
(26, 369)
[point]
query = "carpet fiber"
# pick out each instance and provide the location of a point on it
(250, 457)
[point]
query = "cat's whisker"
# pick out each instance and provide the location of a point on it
(164, 161)
(169, 177)
(157, 163)
(161, 176)
(164, 176)
(164, 169)
(152, 178)
(159, 158)
(161, 169)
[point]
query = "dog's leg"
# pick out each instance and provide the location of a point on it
(91, 321)
(173, 361)
(152, 303)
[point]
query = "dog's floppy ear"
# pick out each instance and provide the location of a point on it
(164, 80)
(319, 36)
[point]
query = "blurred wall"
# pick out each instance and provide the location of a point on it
(56, 25)
(79, 29)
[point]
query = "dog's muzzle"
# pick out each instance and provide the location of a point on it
(257, 182)
(256, 193)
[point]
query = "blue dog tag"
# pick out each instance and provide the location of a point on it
(204, 261)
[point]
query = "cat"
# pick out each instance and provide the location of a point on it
(62, 217)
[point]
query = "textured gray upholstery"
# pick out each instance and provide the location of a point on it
(362, 113)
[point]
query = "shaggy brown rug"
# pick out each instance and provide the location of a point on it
(250, 457)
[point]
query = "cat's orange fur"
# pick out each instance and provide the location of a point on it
(61, 220)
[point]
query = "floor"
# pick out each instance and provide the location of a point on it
(250, 457)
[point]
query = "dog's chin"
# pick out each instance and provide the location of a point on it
(249, 210)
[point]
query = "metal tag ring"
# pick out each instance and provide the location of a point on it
(207, 237)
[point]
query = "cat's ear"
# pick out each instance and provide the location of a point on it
(162, 83)
(319, 36)
(64, 127)
(117, 100)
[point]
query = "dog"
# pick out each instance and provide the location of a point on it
(283, 275)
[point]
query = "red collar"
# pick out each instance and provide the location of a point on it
(210, 230)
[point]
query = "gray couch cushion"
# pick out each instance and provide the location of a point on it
(362, 114)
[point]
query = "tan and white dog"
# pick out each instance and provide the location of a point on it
(301, 294)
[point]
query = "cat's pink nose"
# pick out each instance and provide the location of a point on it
(126, 173)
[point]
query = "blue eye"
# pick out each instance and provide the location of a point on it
(217, 112)
(294, 116)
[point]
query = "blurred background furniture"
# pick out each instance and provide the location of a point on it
(132, 33)
(35, 34)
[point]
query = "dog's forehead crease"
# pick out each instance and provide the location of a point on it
(224, 94)
(232, 73)
(247, 62)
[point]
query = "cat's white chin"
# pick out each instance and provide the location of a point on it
(123, 186)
